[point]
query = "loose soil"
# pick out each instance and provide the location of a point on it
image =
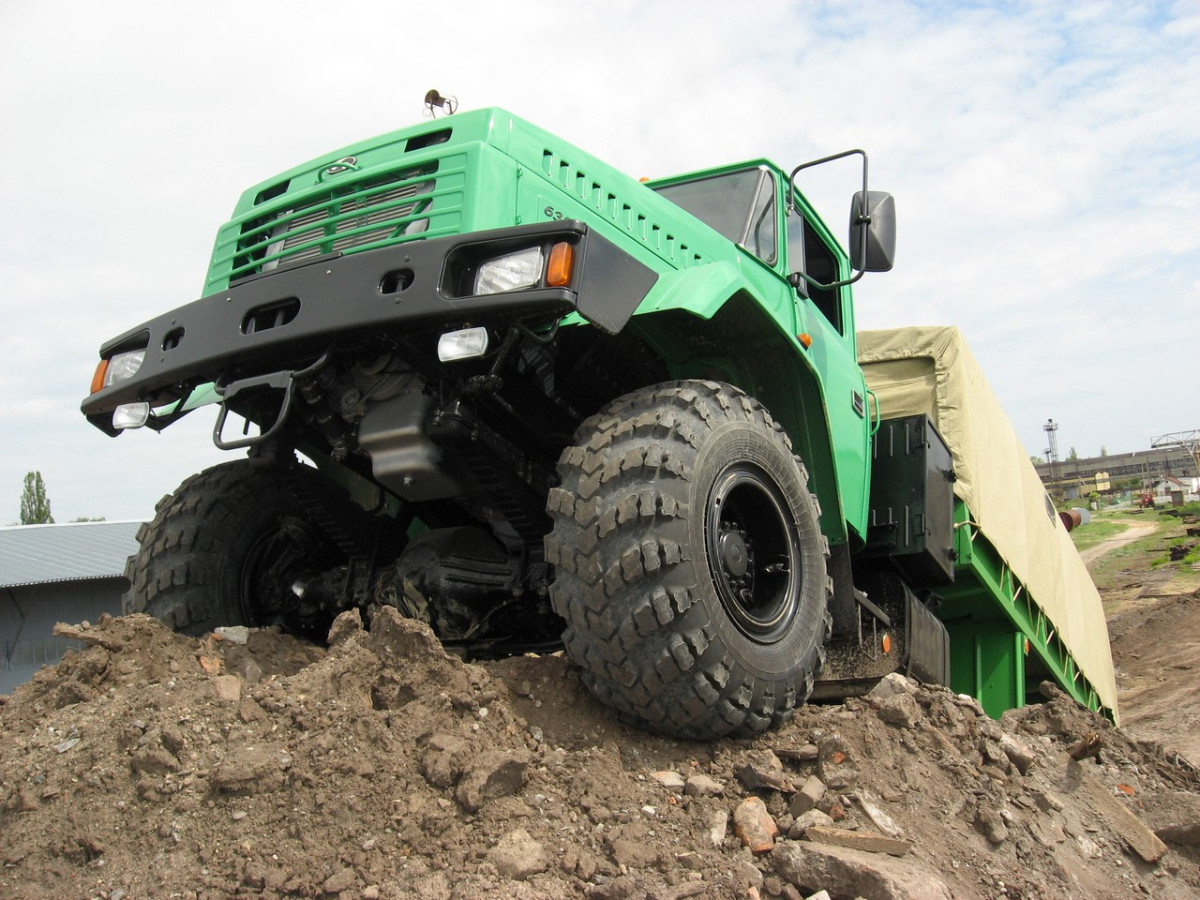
(153, 765)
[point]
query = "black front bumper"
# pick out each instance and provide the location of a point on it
(236, 333)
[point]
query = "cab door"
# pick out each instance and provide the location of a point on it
(827, 315)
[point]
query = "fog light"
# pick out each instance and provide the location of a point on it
(510, 272)
(131, 415)
(465, 344)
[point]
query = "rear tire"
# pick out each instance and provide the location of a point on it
(689, 562)
(227, 546)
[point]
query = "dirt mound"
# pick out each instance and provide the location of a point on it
(1156, 651)
(153, 765)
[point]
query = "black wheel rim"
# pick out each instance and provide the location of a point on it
(753, 552)
(273, 565)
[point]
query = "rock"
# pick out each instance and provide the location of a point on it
(172, 738)
(392, 636)
(634, 853)
(493, 774)
(517, 855)
(891, 685)
(846, 872)
(875, 813)
(235, 634)
(900, 710)
(754, 825)
(805, 753)
(672, 781)
(228, 688)
(250, 711)
(810, 794)
(857, 840)
(718, 827)
(345, 626)
(1046, 801)
(86, 635)
(989, 823)
(703, 786)
(154, 761)
(969, 703)
(806, 821)
(1019, 753)
(339, 881)
(252, 770)
(442, 761)
(763, 770)
(993, 754)
(834, 765)
(1123, 821)
(746, 874)
(1087, 746)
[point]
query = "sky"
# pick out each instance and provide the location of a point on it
(1044, 156)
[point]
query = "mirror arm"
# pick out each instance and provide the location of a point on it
(812, 282)
(861, 219)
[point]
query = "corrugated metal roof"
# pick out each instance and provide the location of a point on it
(39, 554)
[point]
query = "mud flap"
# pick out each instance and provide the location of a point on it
(928, 643)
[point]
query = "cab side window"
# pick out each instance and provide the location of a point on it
(808, 253)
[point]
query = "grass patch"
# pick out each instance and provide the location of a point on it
(1149, 554)
(1097, 530)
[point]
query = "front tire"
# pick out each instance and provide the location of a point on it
(227, 547)
(689, 562)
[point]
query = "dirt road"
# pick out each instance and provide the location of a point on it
(1154, 629)
(1135, 532)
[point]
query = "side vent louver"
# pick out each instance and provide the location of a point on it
(622, 214)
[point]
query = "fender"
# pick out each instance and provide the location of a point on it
(715, 306)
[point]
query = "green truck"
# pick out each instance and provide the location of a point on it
(483, 377)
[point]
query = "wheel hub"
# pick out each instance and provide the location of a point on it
(754, 553)
(734, 555)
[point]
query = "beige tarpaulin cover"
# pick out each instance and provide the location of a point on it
(931, 370)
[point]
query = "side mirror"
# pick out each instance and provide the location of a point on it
(872, 231)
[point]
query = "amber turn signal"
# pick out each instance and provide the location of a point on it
(805, 340)
(887, 643)
(558, 269)
(98, 378)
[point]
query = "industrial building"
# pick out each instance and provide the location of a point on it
(56, 573)
(1140, 471)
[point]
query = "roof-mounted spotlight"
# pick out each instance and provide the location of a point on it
(435, 101)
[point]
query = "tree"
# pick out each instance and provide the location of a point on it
(35, 505)
(1074, 454)
(1103, 450)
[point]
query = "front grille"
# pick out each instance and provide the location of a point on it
(347, 216)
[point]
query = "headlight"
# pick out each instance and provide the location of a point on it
(123, 365)
(509, 272)
(118, 368)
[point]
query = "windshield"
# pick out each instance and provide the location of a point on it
(740, 205)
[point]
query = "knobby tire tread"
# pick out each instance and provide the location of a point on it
(627, 581)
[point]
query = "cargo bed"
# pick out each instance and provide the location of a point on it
(1022, 608)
